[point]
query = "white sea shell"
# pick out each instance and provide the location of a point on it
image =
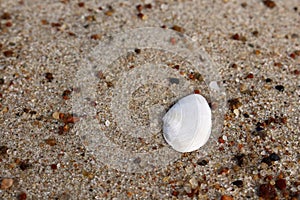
(187, 125)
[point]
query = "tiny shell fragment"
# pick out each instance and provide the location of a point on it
(55, 115)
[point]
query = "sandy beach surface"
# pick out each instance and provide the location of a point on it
(76, 112)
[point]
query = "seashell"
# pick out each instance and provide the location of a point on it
(187, 125)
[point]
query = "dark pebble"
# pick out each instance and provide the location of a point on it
(259, 128)
(1, 81)
(250, 75)
(3, 150)
(281, 184)
(202, 162)
(240, 159)
(26, 110)
(279, 88)
(22, 196)
(269, 3)
(148, 6)
(8, 53)
(177, 28)
(49, 76)
(66, 94)
(81, 4)
(137, 51)
(268, 80)
(6, 16)
(238, 183)
(139, 7)
(274, 157)
(24, 165)
(244, 5)
(32, 112)
(267, 191)
(174, 80)
(267, 160)
(176, 67)
(255, 33)
(259, 131)
(54, 167)
(246, 115)
(233, 65)
(235, 37)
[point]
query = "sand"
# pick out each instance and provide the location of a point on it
(57, 94)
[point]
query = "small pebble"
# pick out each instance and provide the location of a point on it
(81, 4)
(6, 16)
(24, 165)
(177, 28)
(223, 170)
(66, 94)
(250, 75)
(174, 80)
(22, 196)
(50, 141)
(296, 72)
(269, 3)
(202, 162)
(226, 197)
(244, 5)
(139, 7)
(54, 167)
(246, 115)
(274, 157)
(267, 191)
(96, 36)
(142, 16)
(281, 184)
(3, 150)
(235, 37)
(8, 53)
(6, 183)
(137, 51)
(238, 37)
(238, 183)
(280, 88)
(268, 80)
(197, 91)
(259, 128)
(148, 5)
(44, 22)
(240, 159)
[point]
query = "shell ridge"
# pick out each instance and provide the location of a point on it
(179, 125)
(169, 128)
(197, 124)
